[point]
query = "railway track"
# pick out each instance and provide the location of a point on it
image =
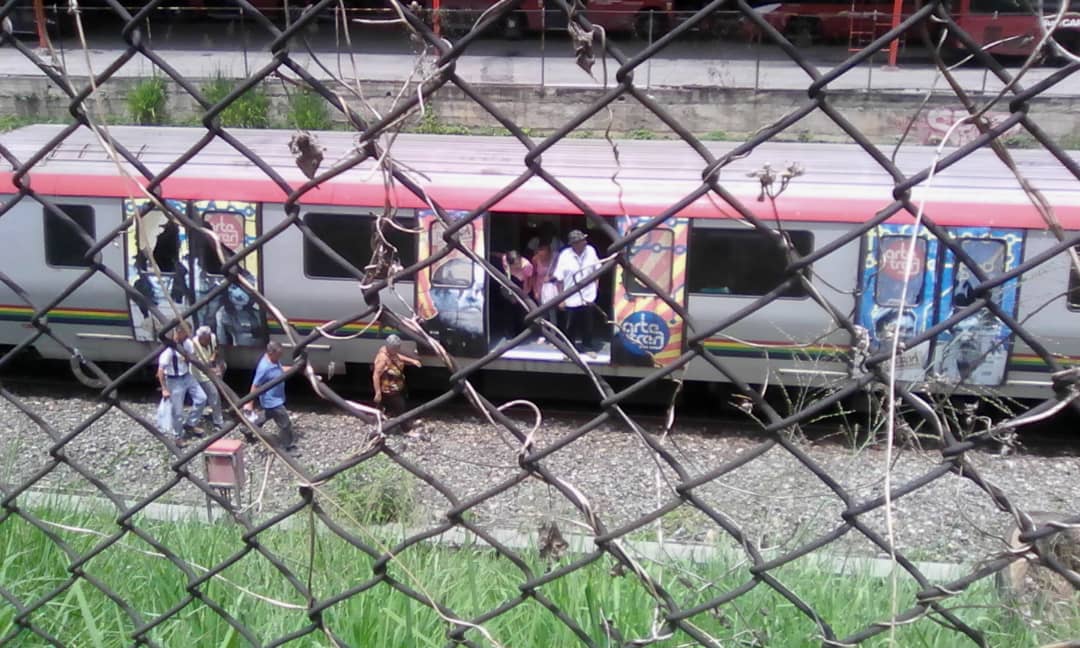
(713, 411)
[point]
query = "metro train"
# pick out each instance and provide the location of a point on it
(707, 258)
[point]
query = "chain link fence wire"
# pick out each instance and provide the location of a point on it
(674, 619)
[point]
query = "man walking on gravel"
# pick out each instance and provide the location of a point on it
(273, 399)
(206, 349)
(174, 375)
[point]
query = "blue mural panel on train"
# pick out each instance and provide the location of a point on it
(898, 278)
(976, 349)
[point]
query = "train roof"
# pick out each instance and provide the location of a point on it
(840, 182)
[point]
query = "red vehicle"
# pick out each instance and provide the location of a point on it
(1008, 25)
(640, 17)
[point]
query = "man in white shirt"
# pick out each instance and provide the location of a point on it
(574, 265)
(206, 349)
(174, 374)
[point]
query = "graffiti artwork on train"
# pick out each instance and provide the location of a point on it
(171, 266)
(451, 293)
(976, 350)
(234, 315)
(155, 247)
(897, 296)
(650, 331)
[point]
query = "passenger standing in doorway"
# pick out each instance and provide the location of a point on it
(206, 350)
(545, 238)
(545, 248)
(388, 378)
(522, 274)
(174, 375)
(574, 264)
(272, 400)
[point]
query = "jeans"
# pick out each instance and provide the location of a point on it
(213, 399)
(179, 387)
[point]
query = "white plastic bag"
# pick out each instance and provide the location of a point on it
(164, 416)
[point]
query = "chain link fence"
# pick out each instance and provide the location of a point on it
(300, 541)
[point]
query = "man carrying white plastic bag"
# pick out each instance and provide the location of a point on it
(177, 382)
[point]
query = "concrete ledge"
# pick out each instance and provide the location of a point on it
(716, 112)
(517, 540)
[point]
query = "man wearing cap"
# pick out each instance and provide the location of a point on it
(206, 350)
(174, 374)
(574, 264)
(388, 377)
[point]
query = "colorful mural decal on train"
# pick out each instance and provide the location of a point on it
(234, 315)
(450, 294)
(649, 332)
(976, 350)
(885, 308)
(188, 267)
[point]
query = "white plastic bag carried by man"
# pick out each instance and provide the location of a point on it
(164, 416)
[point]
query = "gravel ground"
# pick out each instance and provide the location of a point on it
(774, 498)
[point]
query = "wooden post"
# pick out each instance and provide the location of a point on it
(41, 24)
(894, 45)
(436, 22)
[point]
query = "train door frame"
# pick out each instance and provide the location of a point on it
(451, 294)
(238, 222)
(930, 301)
(648, 331)
(977, 349)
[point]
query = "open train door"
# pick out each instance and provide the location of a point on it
(154, 247)
(976, 350)
(648, 331)
(885, 308)
(451, 293)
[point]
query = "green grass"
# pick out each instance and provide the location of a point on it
(469, 581)
(249, 110)
(146, 102)
(308, 111)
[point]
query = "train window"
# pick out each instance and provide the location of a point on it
(204, 248)
(350, 235)
(989, 255)
(464, 236)
(64, 245)
(892, 264)
(1073, 296)
(652, 255)
(402, 235)
(741, 262)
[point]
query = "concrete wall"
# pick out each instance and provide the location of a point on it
(721, 112)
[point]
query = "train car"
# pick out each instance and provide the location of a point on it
(706, 258)
(642, 18)
(1004, 27)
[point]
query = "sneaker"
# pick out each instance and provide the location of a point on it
(193, 431)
